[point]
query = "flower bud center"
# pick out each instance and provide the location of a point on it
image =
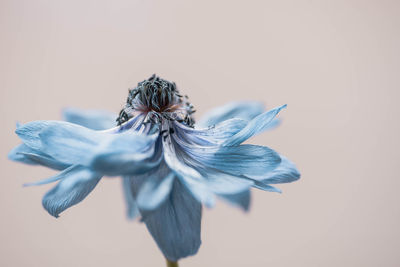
(159, 99)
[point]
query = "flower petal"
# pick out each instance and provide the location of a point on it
(255, 126)
(92, 119)
(70, 191)
(199, 189)
(119, 162)
(222, 183)
(189, 176)
(25, 154)
(286, 172)
(132, 209)
(266, 187)
(75, 144)
(246, 110)
(154, 191)
(29, 132)
(212, 135)
(59, 176)
(176, 224)
(244, 160)
(242, 199)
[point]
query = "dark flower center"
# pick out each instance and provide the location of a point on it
(159, 99)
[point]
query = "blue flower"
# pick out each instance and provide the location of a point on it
(169, 165)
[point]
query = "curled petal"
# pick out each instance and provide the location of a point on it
(29, 132)
(177, 165)
(92, 119)
(286, 172)
(255, 126)
(127, 162)
(59, 176)
(75, 144)
(123, 164)
(189, 176)
(25, 154)
(245, 110)
(70, 191)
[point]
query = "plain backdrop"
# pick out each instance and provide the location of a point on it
(335, 63)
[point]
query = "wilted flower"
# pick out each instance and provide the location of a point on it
(169, 165)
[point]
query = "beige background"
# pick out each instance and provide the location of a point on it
(335, 63)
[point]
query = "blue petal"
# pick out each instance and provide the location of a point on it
(74, 144)
(222, 183)
(189, 176)
(25, 154)
(286, 172)
(71, 143)
(199, 189)
(61, 175)
(244, 160)
(214, 180)
(212, 135)
(242, 199)
(93, 119)
(255, 126)
(120, 162)
(246, 110)
(70, 191)
(29, 132)
(132, 209)
(155, 189)
(176, 224)
(266, 187)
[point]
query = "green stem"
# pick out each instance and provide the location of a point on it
(172, 263)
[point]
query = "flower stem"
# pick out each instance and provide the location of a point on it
(172, 263)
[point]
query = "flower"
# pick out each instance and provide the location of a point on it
(169, 165)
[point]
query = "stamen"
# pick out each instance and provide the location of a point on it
(158, 99)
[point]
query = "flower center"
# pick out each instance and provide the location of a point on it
(158, 99)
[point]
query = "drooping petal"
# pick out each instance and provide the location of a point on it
(245, 110)
(176, 224)
(155, 190)
(286, 172)
(199, 189)
(25, 154)
(242, 199)
(132, 209)
(92, 119)
(255, 126)
(70, 191)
